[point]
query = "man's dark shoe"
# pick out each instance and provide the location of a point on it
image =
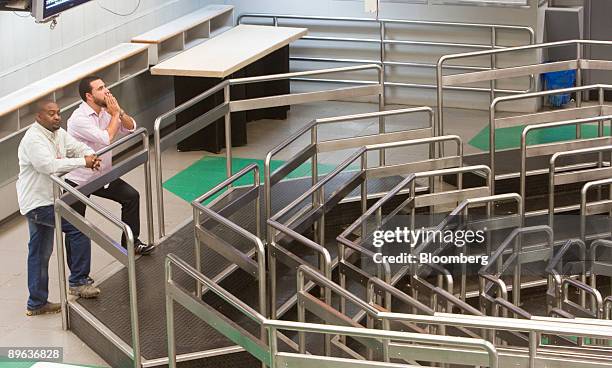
(48, 308)
(141, 248)
(89, 281)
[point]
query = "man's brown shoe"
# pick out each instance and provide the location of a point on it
(85, 291)
(48, 308)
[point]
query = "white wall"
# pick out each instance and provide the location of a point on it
(31, 51)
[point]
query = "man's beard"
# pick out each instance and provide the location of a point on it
(100, 102)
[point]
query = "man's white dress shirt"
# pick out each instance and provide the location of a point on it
(43, 153)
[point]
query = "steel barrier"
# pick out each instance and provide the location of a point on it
(382, 41)
(228, 106)
(126, 257)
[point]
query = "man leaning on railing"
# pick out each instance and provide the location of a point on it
(47, 149)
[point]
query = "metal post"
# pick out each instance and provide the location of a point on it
(439, 130)
(578, 83)
(170, 319)
(364, 194)
(301, 312)
(148, 190)
(133, 297)
(159, 181)
(197, 252)
(61, 268)
(228, 133)
(381, 82)
(533, 348)
(493, 62)
(492, 144)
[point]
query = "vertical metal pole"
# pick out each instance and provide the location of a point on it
(533, 348)
(551, 194)
(159, 180)
(257, 184)
(272, 272)
(381, 82)
(493, 62)
(228, 134)
(578, 83)
(439, 130)
(492, 144)
(197, 252)
(364, 194)
(301, 312)
(170, 319)
(381, 107)
(148, 190)
(267, 197)
(133, 297)
(273, 346)
(386, 326)
(61, 268)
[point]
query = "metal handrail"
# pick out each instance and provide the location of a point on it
(552, 180)
(254, 238)
(382, 41)
(516, 238)
(60, 185)
(312, 129)
(374, 312)
(225, 109)
(578, 90)
(584, 205)
(524, 148)
(529, 70)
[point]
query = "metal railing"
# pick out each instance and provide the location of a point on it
(519, 255)
(580, 112)
(597, 207)
(228, 106)
(382, 41)
(92, 231)
(576, 147)
(203, 214)
(317, 146)
(562, 175)
(269, 354)
(579, 64)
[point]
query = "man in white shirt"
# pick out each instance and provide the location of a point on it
(47, 149)
(96, 122)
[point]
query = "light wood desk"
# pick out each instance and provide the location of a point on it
(243, 51)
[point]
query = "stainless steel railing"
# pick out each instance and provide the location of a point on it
(317, 145)
(557, 150)
(224, 110)
(580, 112)
(383, 41)
(128, 259)
(268, 353)
(579, 63)
(598, 207)
(562, 175)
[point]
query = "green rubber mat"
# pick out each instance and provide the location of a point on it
(506, 138)
(206, 173)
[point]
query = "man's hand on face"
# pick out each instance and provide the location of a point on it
(112, 106)
(92, 162)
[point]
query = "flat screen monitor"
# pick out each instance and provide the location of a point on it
(44, 9)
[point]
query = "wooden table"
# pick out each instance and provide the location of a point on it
(243, 51)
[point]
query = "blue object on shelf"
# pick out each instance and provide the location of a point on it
(558, 80)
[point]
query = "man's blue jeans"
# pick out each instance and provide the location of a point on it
(41, 223)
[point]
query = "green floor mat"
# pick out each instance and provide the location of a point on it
(206, 173)
(506, 138)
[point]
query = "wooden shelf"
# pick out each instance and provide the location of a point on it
(18, 109)
(185, 32)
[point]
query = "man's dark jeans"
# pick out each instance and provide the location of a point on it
(41, 223)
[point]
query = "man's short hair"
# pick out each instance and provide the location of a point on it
(41, 104)
(85, 85)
